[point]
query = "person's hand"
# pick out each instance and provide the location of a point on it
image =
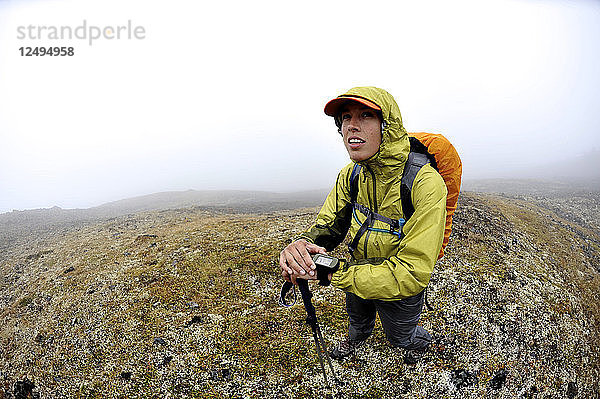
(295, 260)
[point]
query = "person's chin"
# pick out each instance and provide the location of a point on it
(356, 157)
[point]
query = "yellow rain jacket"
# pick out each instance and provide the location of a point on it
(383, 266)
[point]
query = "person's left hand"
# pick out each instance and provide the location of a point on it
(295, 260)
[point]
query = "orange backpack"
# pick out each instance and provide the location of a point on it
(449, 166)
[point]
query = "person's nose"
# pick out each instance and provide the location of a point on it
(353, 124)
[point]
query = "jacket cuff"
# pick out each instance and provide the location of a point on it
(303, 237)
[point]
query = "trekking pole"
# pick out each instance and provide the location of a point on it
(311, 320)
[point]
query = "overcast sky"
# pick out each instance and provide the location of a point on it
(230, 95)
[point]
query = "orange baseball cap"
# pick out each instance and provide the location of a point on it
(332, 108)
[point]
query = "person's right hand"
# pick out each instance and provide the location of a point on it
(295, 260)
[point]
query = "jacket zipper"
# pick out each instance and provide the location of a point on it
(366, 240)
(374, 189)
(373, 207)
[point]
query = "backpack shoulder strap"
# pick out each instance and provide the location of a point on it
(354, 182)
(414, 163)
(417, 146)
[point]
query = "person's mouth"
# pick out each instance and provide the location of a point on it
(355, 142)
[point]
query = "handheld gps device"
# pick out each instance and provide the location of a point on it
(325, 264)
(326, 261)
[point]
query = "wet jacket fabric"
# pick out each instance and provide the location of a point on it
(384, 267)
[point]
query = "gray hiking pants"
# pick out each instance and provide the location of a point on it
(399, 320)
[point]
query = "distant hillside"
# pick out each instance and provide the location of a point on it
(20, 226)
(182, 303)
(570, 201)
(531, 187)
(233, 199)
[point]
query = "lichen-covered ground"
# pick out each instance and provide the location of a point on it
(182, 303)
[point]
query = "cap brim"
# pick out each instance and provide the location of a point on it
(332, 108)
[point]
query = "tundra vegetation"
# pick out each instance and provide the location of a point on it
(183, 303)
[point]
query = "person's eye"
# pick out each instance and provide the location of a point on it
(345, 117)
(367, 114)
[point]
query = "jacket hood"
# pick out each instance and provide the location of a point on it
(395, 144)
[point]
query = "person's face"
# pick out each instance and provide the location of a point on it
(361, 130)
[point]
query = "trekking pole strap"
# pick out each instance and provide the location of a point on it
(311, 313)
(285, 288)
